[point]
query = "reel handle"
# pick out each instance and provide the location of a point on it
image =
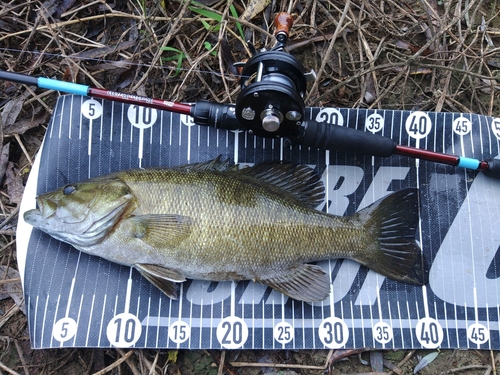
(283, 22)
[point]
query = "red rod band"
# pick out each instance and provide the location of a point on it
(144, 101)
(427, 155)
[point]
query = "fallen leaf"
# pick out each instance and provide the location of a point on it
(96, 53)
(172, 356)
(376, 361)
(12, 109)
(14, 183)
(370, 93)
(489, 83)
(425, 361)
(12, 289)
(125, 78)
(4, 159)
(254, 7)
(23, 125)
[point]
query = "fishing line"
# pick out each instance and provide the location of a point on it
(108, 61)
(271, 104)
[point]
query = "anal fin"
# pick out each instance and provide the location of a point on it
(161, 277)
(306, 282)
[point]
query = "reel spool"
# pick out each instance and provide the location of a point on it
(270, 103)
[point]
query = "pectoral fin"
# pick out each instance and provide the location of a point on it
(161, 230)
(161, 277)
(307, 282)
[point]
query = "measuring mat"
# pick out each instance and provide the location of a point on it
(77, 300)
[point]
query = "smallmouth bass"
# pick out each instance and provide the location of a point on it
(212, 221)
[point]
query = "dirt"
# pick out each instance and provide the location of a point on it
(388, 54)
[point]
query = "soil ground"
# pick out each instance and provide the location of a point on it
(413, 54)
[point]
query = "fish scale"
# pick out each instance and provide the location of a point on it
(219, 223)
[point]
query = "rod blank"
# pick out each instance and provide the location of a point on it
(222, 116)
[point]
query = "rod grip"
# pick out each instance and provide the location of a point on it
(343, 139)
(18, 78)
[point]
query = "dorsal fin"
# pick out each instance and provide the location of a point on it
(217, 164)
(298, 180)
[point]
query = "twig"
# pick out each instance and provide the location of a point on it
(404, 360)
(220, 371)
(391, 366)
(220, 362)
(10, 281)
(21, 144)
(9, 314)
(85, 19)
(7, 246)
(152, 366)
(305, 42)
(195, 63)
(469, 367)
(276, 365)
(129, 362)
(284, 365)
(12, 215)
(168, 37)
(9, 370)
(21, 357)
(115, 364)
(330, 48)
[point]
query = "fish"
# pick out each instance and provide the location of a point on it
(218, 221)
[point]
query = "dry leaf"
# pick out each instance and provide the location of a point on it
(376, 361)
(100, 52)
(12, 109)
(23, 125)
(12, 290)
(489, 84)
(4, 159)
(254, 7)
(14, 184)
(425, 361)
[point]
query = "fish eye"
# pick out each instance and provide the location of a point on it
(68, 189)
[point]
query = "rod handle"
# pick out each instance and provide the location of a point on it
(343, 139)
(493, 168)
(18, 78)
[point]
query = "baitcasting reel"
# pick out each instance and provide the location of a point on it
(273, 84)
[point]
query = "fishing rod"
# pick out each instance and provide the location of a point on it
(270, 105)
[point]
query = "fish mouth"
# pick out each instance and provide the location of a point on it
(46, 207)
(33, 217)
(37, 216)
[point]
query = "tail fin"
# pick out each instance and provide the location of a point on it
(393, 221)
